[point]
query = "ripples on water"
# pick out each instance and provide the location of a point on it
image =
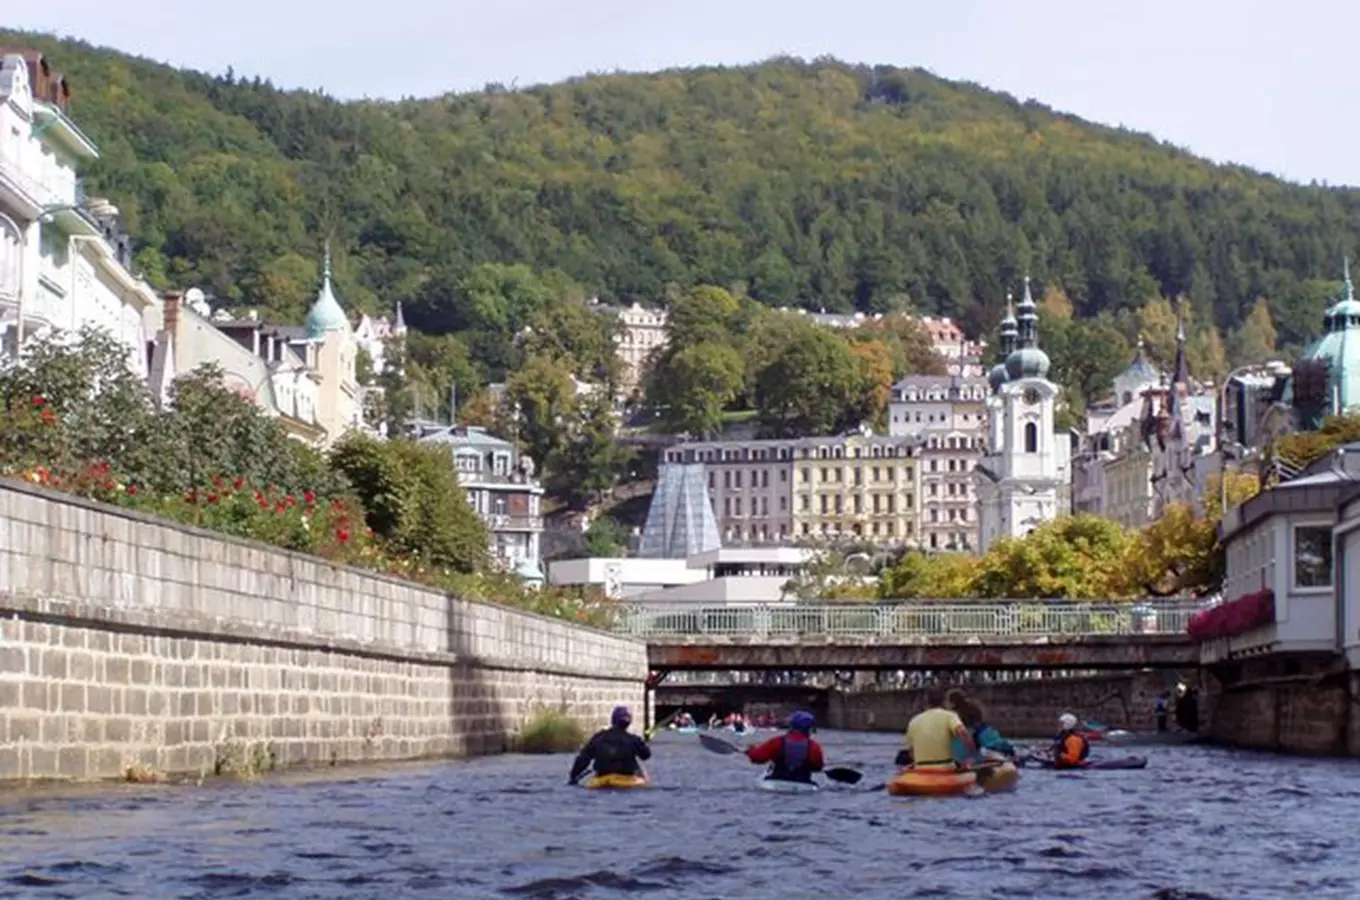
(1195, 825)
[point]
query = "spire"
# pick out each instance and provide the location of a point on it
(1029, 319)
(1008, 327)
(1350, 288)
(1180, 374)
(326, 313)
(399, 327)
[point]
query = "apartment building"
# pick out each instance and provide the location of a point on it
(852, 486)
(948, 413)
(65, 259)
(501, 487)
(641, 333)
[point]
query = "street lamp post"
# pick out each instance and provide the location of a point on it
(1274, 367)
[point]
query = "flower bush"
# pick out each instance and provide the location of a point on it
(1234, 617)
(74, 419)
(334, 529)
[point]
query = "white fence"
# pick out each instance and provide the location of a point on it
(941, 619)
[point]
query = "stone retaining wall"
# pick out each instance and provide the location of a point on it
(128, 640)
(1288, 704)
(1021, 709)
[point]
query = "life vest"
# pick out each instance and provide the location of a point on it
(791, 763)
(1062, 754)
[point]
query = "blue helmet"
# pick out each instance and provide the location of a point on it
(802, 721)
(620, 717)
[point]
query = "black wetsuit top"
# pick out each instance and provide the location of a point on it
(614, 751)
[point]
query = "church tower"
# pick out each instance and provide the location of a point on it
(1020, 478)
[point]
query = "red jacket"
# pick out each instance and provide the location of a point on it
(769, 751)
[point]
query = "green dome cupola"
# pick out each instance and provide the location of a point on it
(326, 313)
(1027, 360)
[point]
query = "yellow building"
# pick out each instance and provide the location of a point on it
(857, 486)
(854, 486)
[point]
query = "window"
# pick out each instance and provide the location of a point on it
(1312, 556)
(1031, 438)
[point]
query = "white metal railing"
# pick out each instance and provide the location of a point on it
(942, 619)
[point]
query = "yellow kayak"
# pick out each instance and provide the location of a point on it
(616, 782)
(1001, 779)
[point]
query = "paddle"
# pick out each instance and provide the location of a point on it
(842, 774)
(718, 745)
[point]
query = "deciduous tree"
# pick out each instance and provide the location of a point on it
(1257, 338)
(691, 388)
(811, 387)
(541, 399)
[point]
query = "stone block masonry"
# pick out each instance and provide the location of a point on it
(131, 641)
(1020, 709)
(1301, 704)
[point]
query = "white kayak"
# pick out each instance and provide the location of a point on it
(776, 786)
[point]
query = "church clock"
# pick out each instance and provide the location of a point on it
(1031, 396)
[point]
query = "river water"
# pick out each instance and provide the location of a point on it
(1197, 824)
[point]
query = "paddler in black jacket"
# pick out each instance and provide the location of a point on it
(614, 751)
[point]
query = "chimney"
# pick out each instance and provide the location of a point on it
(170, 313)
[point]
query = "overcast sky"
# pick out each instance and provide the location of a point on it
(1272, 85)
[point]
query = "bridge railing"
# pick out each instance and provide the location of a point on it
(690, 623)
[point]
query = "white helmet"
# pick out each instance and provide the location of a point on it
(1067, 722)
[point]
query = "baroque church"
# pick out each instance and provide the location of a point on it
(1023, 479)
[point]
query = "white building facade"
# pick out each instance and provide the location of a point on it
(64, 260)
(1024, 477)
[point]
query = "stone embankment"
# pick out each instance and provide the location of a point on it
(128, 642)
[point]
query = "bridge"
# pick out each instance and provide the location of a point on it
(920, 635)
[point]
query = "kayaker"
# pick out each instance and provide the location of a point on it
(930, 735)
(1070, 747)
(614, 751)
(985, 737)
(793, 756)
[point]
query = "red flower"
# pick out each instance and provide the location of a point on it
(217, 481)
(48, 417)
(343, 535)
(337, 505)
(280, 508)
(39, 401)
(212, 498)
(132, 490)
(237, 482)
(308, 497)
(289, 500)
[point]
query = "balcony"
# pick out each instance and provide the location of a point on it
(506, 522)
(487, 479)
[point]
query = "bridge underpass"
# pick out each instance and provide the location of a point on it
(925, 637)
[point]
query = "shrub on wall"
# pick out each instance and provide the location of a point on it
(414, 501)
(74, 418)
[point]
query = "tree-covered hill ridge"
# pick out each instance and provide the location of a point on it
(815, 184)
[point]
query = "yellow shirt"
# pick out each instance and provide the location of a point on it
(930, 737)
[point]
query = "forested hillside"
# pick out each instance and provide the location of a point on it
(821, 185)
